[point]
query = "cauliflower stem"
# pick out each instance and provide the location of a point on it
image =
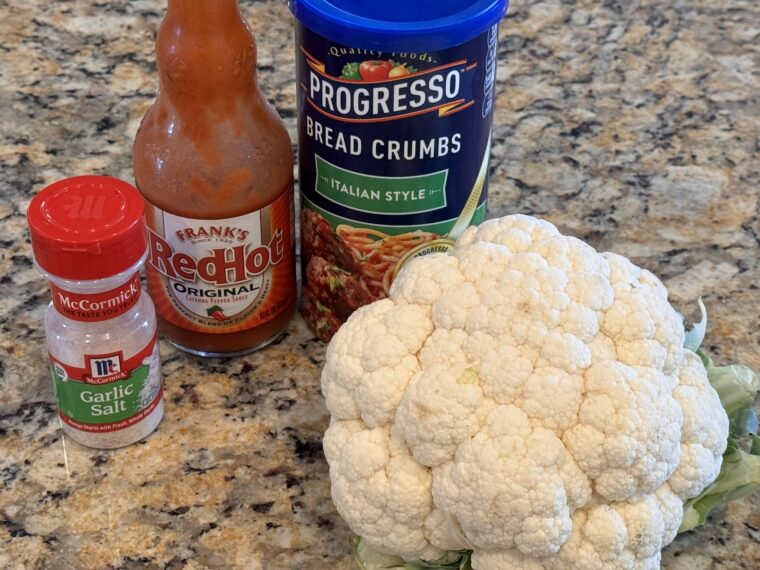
(736, 385)
(739, 475)
(370, 559)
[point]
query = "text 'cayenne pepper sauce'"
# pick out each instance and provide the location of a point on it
(214, 162)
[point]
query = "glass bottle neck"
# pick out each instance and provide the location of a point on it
(200, 15)
(206, 52)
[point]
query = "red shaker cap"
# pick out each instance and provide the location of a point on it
(87, 227)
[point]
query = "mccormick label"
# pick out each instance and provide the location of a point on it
(94, 307)
(394, 151)
(110, 392)
(225, 275)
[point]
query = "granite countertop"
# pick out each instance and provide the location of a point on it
(630, 123)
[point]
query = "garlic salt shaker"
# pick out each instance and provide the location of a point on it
(89, 240)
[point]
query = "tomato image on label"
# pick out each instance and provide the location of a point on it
(375, 70)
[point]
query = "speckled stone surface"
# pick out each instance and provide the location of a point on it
(633, 124)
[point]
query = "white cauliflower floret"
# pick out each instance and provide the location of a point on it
(552, 398)
(627, 437)
(433, 276)
(523, 397)
(625, 535)
(381, 489)
(369, 382)
(671, 508)
(444, 531)
(702, 445)
(504, 560)
(505, 486)
(439, 411)
(505, 388)
(337, 435)
(516, 233)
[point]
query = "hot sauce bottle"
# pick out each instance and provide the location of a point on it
(214, 163)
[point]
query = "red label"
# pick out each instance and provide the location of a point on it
(224, 266)
(225, 275)
(93, 307)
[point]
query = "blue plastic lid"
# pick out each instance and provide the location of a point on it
(399, 25)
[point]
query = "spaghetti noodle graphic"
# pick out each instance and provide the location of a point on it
(348, 267)
(379, 253)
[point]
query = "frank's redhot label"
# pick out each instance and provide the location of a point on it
(224, 275)
(394, 151)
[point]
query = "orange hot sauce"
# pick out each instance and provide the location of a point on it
(214, 163)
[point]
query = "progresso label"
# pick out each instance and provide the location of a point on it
(394, 152)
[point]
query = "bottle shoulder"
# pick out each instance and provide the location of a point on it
(196, 168)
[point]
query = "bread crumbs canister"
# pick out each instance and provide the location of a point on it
(89, 240)
(395, 108)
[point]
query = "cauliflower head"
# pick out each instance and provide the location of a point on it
(525, 397)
